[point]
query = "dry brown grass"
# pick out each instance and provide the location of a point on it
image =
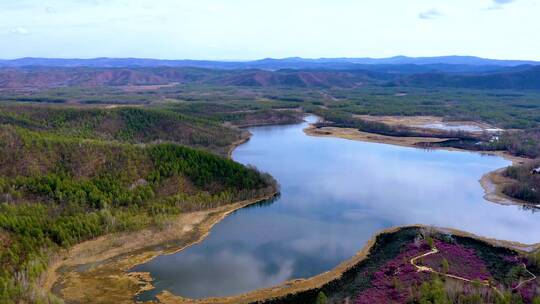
(402, 120)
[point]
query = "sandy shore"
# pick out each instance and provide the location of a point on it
(245, 137)
(493, 184)
(105, 261)
(355, 134)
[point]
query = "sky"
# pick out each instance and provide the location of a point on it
(253, 29)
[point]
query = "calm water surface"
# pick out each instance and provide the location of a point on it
(335, 194)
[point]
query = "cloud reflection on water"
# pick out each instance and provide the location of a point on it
(335, 195)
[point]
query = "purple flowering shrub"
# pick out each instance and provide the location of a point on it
(462, 261)
(393, 281)
(529, 291)
(398, 281)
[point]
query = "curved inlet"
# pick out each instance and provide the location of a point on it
(335, 194)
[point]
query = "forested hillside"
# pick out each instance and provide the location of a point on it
(69, 175)
(523, 78)
(132, 125)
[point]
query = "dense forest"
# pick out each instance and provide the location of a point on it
(126, 124)
(66, 177)
(241, 117)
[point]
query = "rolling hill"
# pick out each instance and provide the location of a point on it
(131, 125)
(20, 78)
(521, 78)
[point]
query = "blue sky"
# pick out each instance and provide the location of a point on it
(251, 29)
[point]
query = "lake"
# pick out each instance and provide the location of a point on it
(335, 195)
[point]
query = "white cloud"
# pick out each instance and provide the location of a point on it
(19, 31)
(50, 10)
(498, 4)
(501, 2)
(430, 14)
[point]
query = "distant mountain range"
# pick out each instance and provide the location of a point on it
(275, 64)
(452, 71)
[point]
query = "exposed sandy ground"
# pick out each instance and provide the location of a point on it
(493, 183)
(246, 135)
(419, 121)
(355, 134)
(107, 259)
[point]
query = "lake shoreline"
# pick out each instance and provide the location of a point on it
(111, 256)
(492, 182)
(245, 138)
